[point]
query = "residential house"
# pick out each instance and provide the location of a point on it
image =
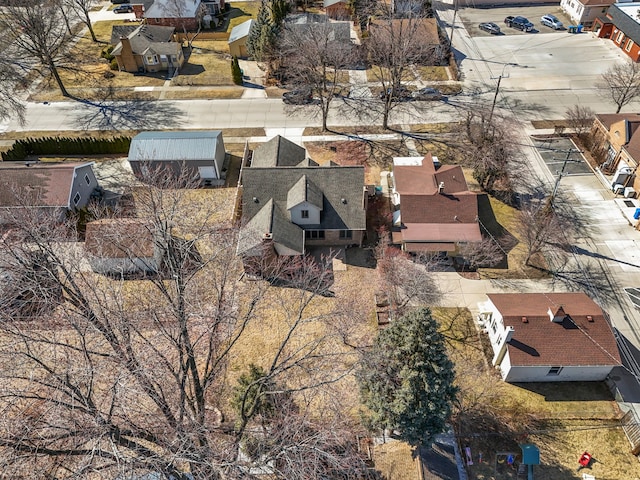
(337, 9)
(435, 211)
(190, 156)
(122, 246)
(146, 48)
(238, 38)
(616, 139)
(584, 12)
(290, 203)
(621, 24)
(54, 187)
(424, 29)
(181, 14)
(303, 22)
(549, 337)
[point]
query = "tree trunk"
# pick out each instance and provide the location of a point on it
(93, 34)
(56, 75)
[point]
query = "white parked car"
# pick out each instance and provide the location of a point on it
(551, 21)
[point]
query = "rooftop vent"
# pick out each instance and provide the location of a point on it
(589, 318)
(441, 187)
(255, 200)
(267, 236)
(525, 320)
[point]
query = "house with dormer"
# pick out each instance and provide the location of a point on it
(548, 337)
(146, 48)
(291, 204)
(434, 209)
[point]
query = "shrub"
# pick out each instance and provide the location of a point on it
(106, 53)
(236, 72)
(114, 64)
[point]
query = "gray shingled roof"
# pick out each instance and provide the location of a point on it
(172, 9)
(119, 31)
(342, 189)
(278, 152)
(303, 24)
(170, 145)
(144, 37)
(270, 220)
(240, 31)
(304, 190)
(624, 22)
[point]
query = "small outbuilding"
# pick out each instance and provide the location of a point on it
(238, 39)
(191, 157)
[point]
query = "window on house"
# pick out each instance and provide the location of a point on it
(629, 45)
(87, 179)
(619, 37)
(346, 234)
(163, 58)
(314, 234)
(151, 59)
(554, 371)
(76, 199)
(304, 213)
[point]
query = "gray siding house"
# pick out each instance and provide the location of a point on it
(190, 157)
(46, 186)
(290, 203)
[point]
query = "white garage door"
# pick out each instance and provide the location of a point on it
(207, 173)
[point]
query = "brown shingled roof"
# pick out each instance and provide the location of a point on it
(36, 185)
(608, 119)
(440, 208)
(576, 341)
(424, 179)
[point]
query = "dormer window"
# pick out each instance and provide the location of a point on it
(304, 213)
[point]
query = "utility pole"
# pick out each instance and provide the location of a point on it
(453, 23)
(495, 98)
(560, 175)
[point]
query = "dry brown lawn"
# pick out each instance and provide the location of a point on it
(244, 12)
(394, 461)
(433, 74)
(210, 93)
(208, 64)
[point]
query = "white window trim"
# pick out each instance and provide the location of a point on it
(628, 46)
(79, 197)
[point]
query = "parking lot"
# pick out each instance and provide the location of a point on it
(553, 63)
(472, 17)
(554, 152)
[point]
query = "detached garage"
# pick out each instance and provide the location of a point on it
(191, 158)
(238, 39)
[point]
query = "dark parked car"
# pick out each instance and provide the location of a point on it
(519, 23)
(125, 8)
(427, 94)
(399, 94)
(118, 2)
(490, 27)
(297, 97)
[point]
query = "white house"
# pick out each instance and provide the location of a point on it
(584, 12)
(548, 337)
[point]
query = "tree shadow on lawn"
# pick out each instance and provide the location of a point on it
(490, 226)
(569, 391)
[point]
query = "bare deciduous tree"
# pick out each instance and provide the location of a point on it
(621, 84)
(316, 61)
(486, 253)
(542, 229)
(393, 46)
(81, 8)
(41, 38)
(580, 120)
(131, 377)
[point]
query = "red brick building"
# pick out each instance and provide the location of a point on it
(622, 26)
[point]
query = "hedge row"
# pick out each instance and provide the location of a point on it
(66, 146)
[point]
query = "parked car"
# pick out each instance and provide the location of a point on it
(118, 2)
(399, 94)
(551, 21)
(125, 8)
(427, 94)
(519, 23)
(490, 27)
(297, 97)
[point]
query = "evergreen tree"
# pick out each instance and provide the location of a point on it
(262, 34)
(407, 379)
(236, 72)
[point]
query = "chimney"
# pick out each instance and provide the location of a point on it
(557, 315)
(267, 236)
(502, 346)
(441, 187)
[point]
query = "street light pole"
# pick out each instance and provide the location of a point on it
(560, 175)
